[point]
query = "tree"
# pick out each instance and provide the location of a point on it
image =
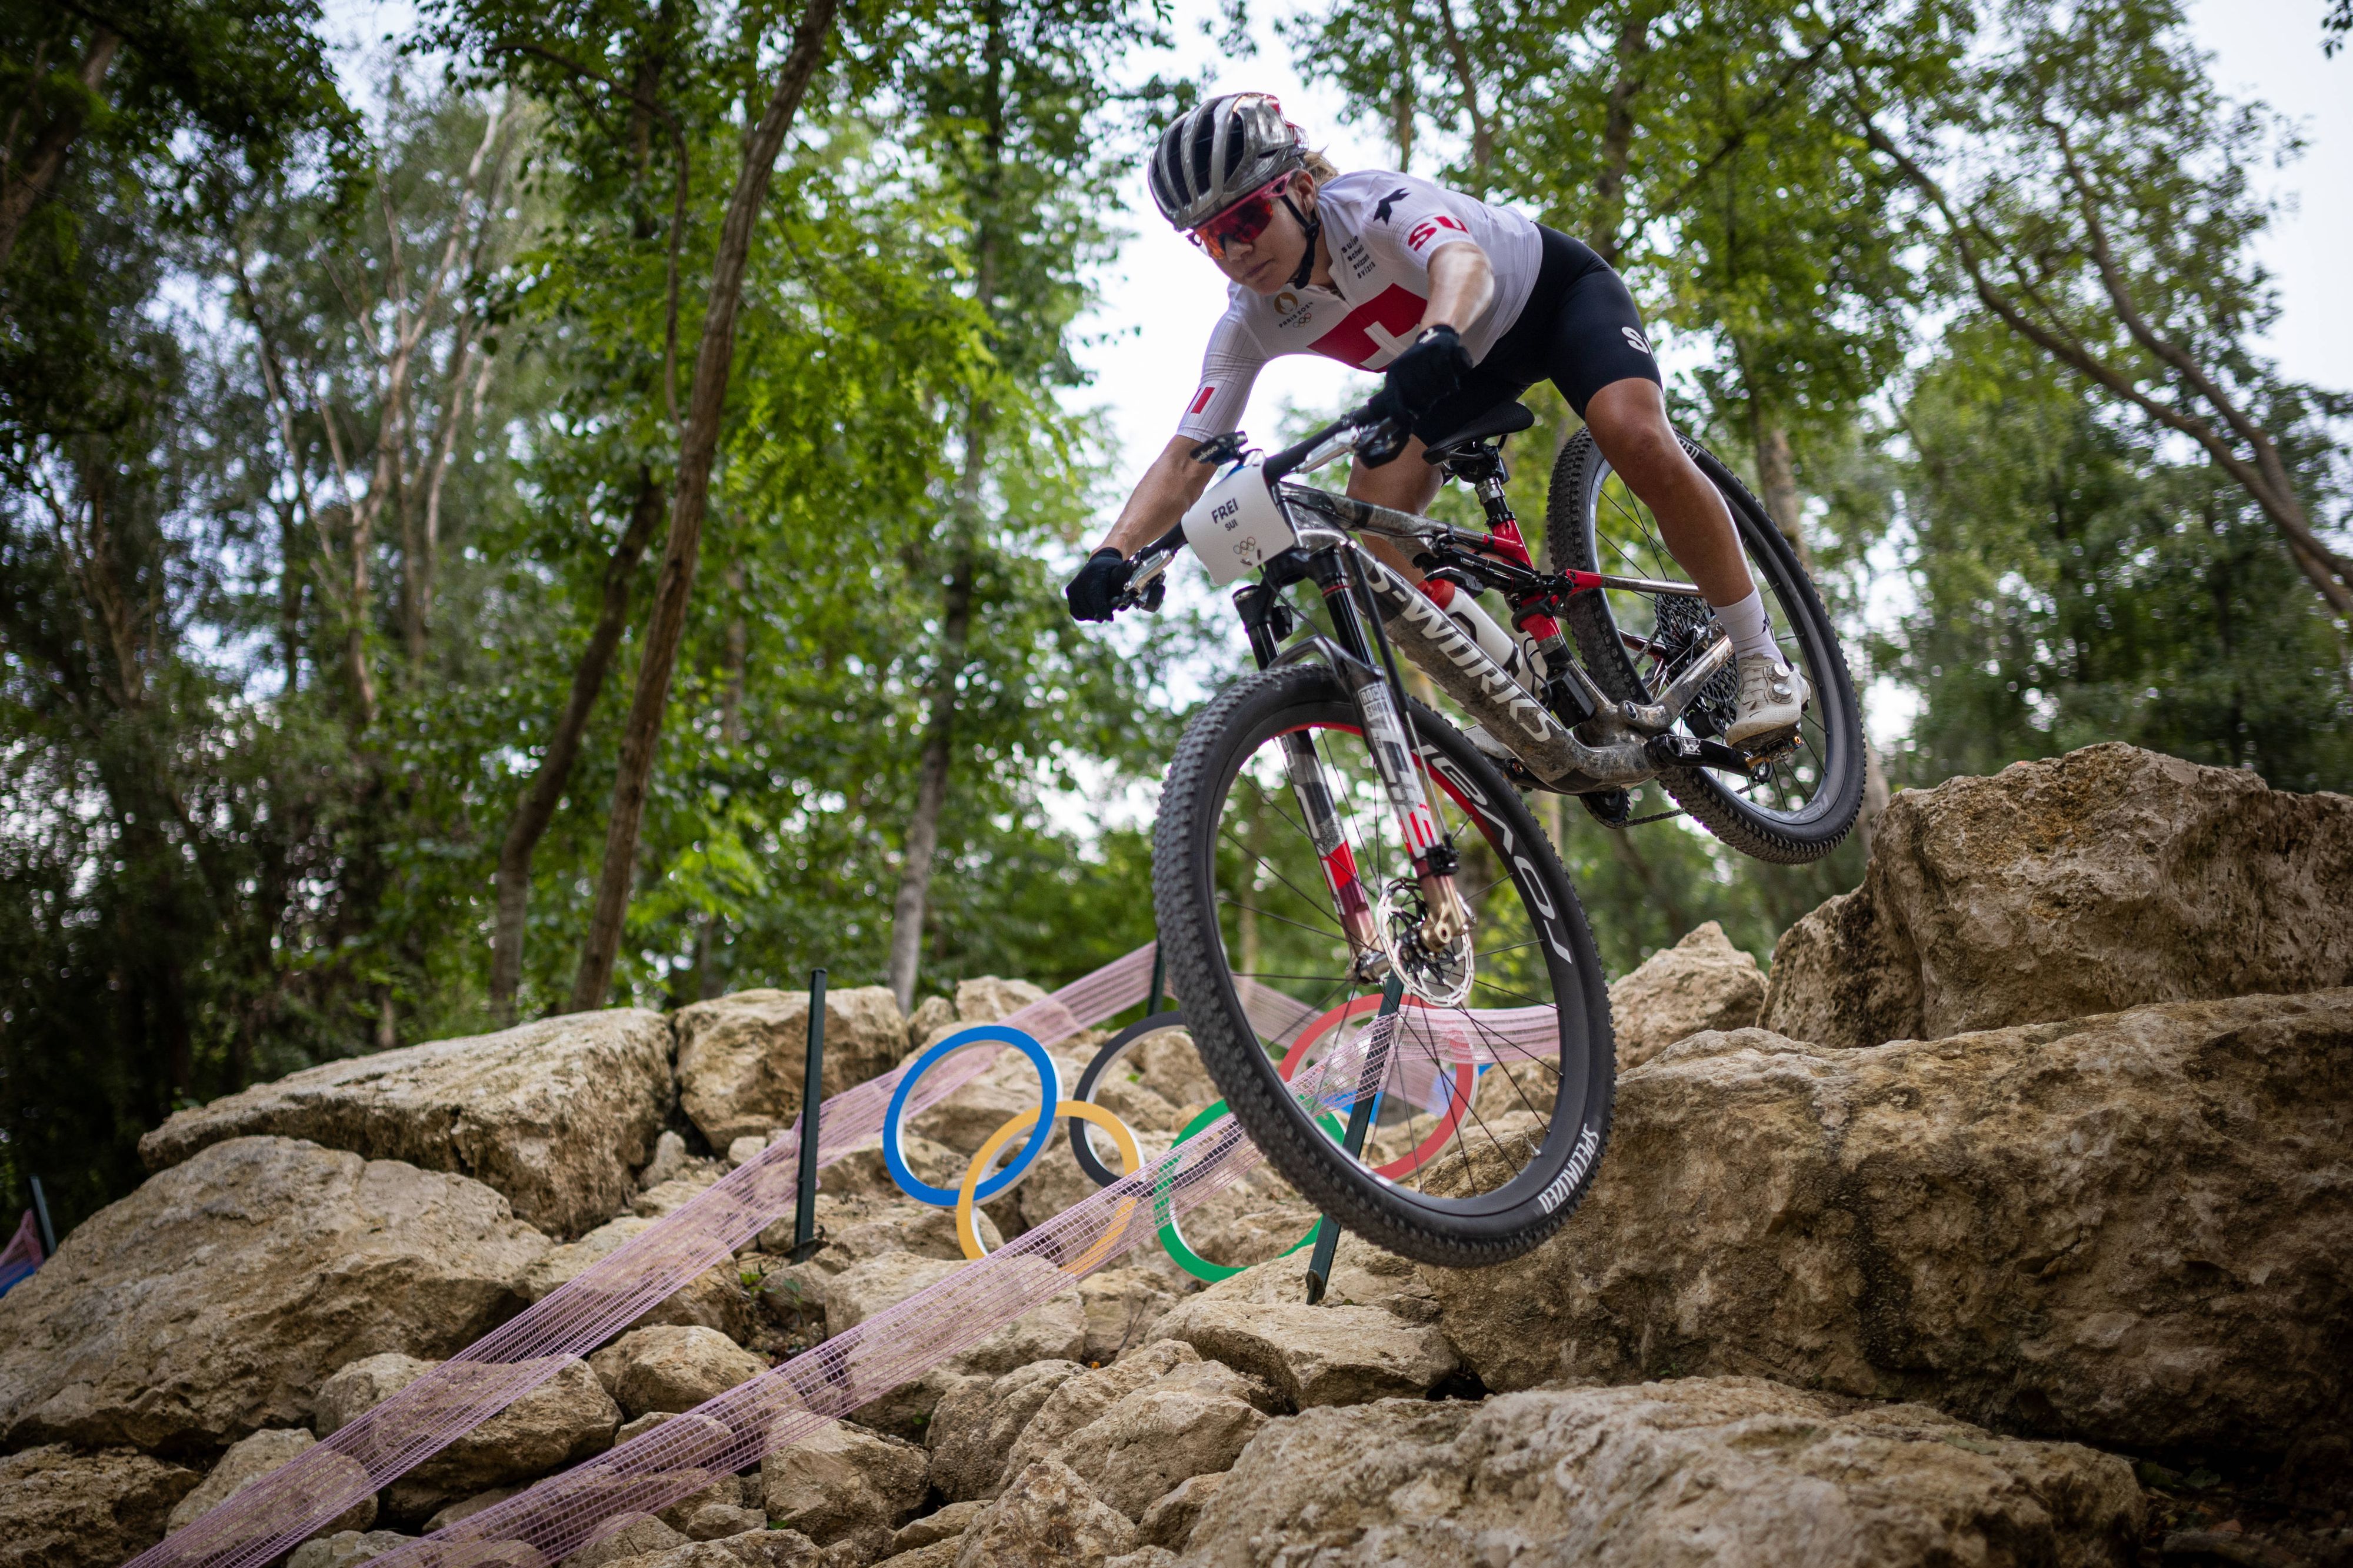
(2092, 189)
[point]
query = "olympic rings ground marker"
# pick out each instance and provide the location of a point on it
(1172, 1240)
(1131, 1155)
(1050, 1080)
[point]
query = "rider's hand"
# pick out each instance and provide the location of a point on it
(1099, 582)
(1427, 372)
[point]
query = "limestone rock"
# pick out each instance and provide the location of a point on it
(715, 1298)
(251, 1459)
(937, 1554)
(1701, 983)
(843, 1480)
(1169, 1522)
(945, 1524)
(673, 1369)
(60, 1509)
(1160, 1437)
(465, 1507)
(932, 1015)
(664, 1198)
(2077, 885)
(2127, 1230)
(718, 1521)
(1054, 1330)
(1081, 1402)
(213, 1301)
(988, 999)
(1121, 1305)
(1323, 1354)
(629, 1536)
(562, 1421)
(1169, 1064)
(347, 1549)
(1693, 1472)
(740, 1058)
(973, 1429)
(556, 1115)
(1047, 1515)
(670, 1159)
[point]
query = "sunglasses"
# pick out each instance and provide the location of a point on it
(1241, 223)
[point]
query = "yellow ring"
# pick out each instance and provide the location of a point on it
(969, 1233)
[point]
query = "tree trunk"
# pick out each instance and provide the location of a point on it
(1776, 478)
(547, 785)
(1618, 137)
(1466, 80)
(698, 446)
(932, 780)
(48, 154)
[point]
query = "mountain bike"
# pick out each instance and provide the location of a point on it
(1341, 874)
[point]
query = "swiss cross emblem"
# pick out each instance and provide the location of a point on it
(1427, 229)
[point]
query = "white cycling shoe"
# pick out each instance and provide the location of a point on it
(1773, 696)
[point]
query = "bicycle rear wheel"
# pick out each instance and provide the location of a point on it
(1493, 1112)
(1802, 805)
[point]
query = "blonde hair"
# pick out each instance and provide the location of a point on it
(1319, 168)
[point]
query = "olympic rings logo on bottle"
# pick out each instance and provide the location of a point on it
(984, 1180)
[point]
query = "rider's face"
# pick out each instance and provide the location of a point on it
(1267, 264)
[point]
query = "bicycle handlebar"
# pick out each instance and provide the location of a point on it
(1369, 431)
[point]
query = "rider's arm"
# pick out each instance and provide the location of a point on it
(1172, 483)
(1462, 286)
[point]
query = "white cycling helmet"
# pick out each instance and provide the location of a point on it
(1219, 152)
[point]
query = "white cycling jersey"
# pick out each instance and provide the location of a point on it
(1382, 229)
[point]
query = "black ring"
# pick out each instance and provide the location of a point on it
(1112, 1049)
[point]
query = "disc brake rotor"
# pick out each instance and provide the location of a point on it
(1441, 976)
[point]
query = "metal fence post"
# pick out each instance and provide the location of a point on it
(41, 1214)
(805, 1236)
(1360, 1126)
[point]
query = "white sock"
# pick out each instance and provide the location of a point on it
(1746, 622)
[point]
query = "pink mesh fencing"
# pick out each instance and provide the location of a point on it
(845, 1372)
(284, 1508)
(733, 1432)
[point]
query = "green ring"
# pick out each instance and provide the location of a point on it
(1172, 1241)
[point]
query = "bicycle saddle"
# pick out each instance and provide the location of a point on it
(1504, 419)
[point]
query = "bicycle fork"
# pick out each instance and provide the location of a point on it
(1444, 918)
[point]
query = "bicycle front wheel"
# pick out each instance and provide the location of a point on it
(1492, 1113)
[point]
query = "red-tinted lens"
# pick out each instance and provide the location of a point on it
(1242, 222)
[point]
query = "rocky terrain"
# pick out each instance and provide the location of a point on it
(2011, 1222)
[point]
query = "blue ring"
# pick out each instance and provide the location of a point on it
(1050, 1078)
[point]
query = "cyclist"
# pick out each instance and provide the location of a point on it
(1460, 306)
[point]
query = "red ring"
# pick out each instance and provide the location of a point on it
(1466, 1081)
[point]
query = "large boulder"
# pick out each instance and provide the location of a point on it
(563, 1420)
(60, 1508)
(1701, 983)
(740, 1057)
(556, 1114)
(2133, 1230)
(249, 1460)
(1697, 1472)
(974, 1428)
(213, 1301)
(2102, 880)
(1191, 1423)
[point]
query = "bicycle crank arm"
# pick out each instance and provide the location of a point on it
(1464, 672)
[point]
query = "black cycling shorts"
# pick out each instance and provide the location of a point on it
(1579, 331)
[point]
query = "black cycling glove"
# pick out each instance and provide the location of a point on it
(1099, 582)
(1423, 376)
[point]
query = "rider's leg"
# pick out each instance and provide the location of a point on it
(1407, 484)
(1628, 421)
